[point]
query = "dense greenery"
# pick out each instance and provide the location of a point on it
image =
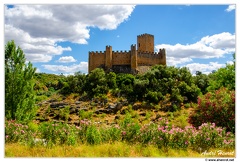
(151, 87)
(160, 134)
(19, 92)
(217, 107)
(164, 88)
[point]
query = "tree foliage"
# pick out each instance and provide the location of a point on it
(19, 83)
(96, 83)
(223, 77)
(218, 107)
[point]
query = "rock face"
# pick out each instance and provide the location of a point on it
(54, 109)
(111, 108)
(58, 104)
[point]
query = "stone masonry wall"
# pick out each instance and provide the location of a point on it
(137, 59)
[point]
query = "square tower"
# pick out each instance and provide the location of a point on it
(145, 43)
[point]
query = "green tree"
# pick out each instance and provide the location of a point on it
(202, 81)
(96, 83)
(19, 83)
(223, 77)
(111, 80)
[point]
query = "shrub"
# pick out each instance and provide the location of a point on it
(217, 107)
(162, 134)
(111, 134)
(64, 113)
(153, 96)
(41, 98)
(17, 132)
(85, 114)
(57, 133)
(93, 135)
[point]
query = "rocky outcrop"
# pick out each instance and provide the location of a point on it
(58, 104)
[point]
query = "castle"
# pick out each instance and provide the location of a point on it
(133, 61)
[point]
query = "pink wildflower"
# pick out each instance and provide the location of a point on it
(160, 128)
(124, 133)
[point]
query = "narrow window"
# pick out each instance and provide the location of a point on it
(138, 44)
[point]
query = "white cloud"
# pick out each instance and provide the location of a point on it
(66, 59)
(38, 70)
(230, 8)
(224, 41)
(204, 68)
(38, 28)
(230, 62)
(36, 49)
(38, 57)
(214, 46)
(82, 66)
(171, 61)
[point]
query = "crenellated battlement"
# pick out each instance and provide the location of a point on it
(139, 56)
(145, 35)
(97, 52)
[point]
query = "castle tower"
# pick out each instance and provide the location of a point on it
(108, 62)
(133, 57)
(90, 62)
(145, 43)
(162, 53)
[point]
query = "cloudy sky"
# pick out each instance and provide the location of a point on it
(57, 38)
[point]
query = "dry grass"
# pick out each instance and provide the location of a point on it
(118, 149)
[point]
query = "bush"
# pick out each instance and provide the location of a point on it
(93, 135)
(161, 134)
(111, 134)
(153, 97)
(85, 114)
(17, 132)
(217, 107)
(64, 113)
(57, 133)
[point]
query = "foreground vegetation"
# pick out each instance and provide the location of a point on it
(161, 135)
(116, 149)
(166, 90)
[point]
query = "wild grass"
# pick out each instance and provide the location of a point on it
(117, 149)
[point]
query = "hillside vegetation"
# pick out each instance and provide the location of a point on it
(165, 108)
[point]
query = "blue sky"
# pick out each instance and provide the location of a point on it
(57, 38)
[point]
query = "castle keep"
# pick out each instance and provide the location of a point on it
(137, 60)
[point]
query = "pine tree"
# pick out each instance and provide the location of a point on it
(19, 92)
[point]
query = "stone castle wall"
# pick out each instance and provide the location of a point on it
(121, 57)
(138, 60)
